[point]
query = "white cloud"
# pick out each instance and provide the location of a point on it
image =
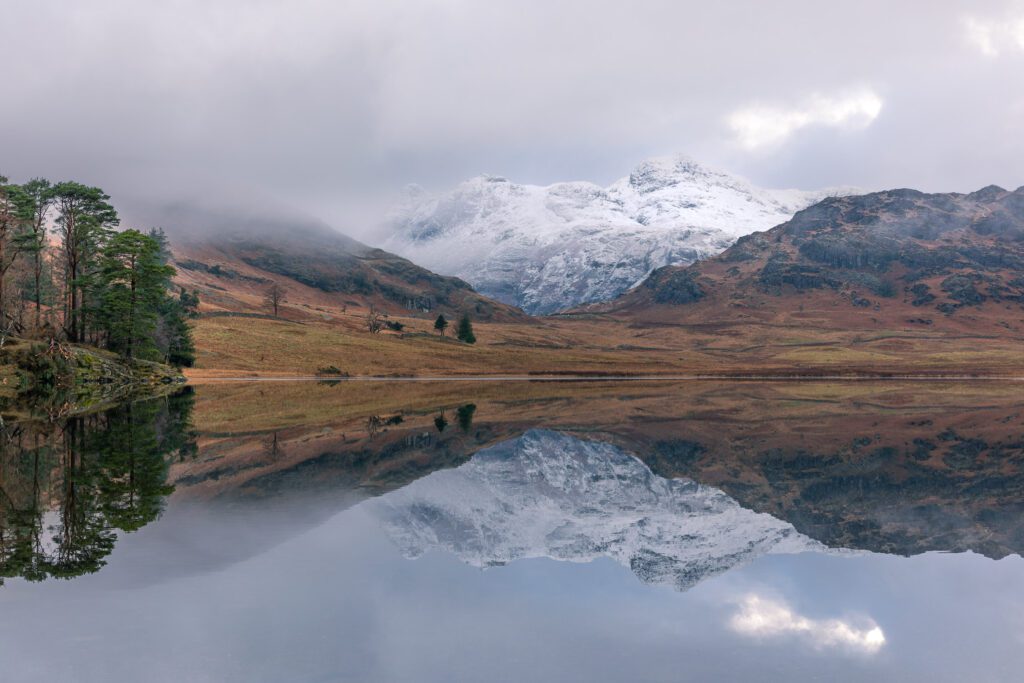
(762, 618)
(761, 125)
(992, 37)
(981, 35)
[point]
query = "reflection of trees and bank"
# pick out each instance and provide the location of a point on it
(68, 488)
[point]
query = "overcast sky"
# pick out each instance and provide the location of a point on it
(332, 106)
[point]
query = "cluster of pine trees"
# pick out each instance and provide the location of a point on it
(464, 332)
(66, 273)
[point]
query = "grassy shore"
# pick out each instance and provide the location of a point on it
(598, 345)
(69, 379)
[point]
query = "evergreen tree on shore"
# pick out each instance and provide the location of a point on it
(132, 289)
(15, 213)
(174, 334)
(116, 286)
(40, 192)
(85, 219)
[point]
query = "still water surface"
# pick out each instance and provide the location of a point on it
(509, 532)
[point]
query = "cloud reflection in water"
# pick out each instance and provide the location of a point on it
(763, 618)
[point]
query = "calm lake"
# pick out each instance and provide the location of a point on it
(520, 531)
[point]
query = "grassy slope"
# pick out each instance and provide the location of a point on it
(716, 336)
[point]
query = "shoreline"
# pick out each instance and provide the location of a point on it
(911, 377)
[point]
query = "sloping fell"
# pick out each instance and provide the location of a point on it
(888, 260)
(319, 269)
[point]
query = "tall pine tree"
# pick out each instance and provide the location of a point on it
(15, 215)
(40, 192)
(132, 288)
(85, 220)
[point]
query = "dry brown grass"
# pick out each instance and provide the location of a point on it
(810, 333)
(232, 346)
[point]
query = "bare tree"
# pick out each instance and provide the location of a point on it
(374, 320)
(275, 297)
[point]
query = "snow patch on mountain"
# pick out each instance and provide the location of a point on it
(550, 248)
(548, 494)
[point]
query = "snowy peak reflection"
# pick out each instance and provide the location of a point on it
(551, 495)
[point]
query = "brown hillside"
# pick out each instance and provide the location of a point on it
(887, 284)
(321, 271)
(938, 264)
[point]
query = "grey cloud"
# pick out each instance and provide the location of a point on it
(331, 107)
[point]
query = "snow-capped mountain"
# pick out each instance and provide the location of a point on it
(549, 248)
(548, 494)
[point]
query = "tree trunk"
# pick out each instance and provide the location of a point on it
(39, 294)
(131, 319)
(3, 277)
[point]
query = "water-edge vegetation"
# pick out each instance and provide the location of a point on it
(88, 313)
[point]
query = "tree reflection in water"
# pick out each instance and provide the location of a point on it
(68, 488)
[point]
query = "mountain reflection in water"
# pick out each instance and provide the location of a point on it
(552, 495)
(267, 531)
(899, 468)
(661, 479)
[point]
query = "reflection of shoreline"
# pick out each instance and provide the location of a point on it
(553, 495)
(234, 407)
(198, 377)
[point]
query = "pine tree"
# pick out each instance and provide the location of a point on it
(85, 220)
(465, 331)
(441, 324)
(15, 215)
(175, 336)
(40, 192)
(131, 291)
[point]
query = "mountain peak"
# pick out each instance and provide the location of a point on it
(987, 193)
(549, 248)
(658, 173)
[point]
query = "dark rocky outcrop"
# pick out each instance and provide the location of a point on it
(673, 286)
(947, 252)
